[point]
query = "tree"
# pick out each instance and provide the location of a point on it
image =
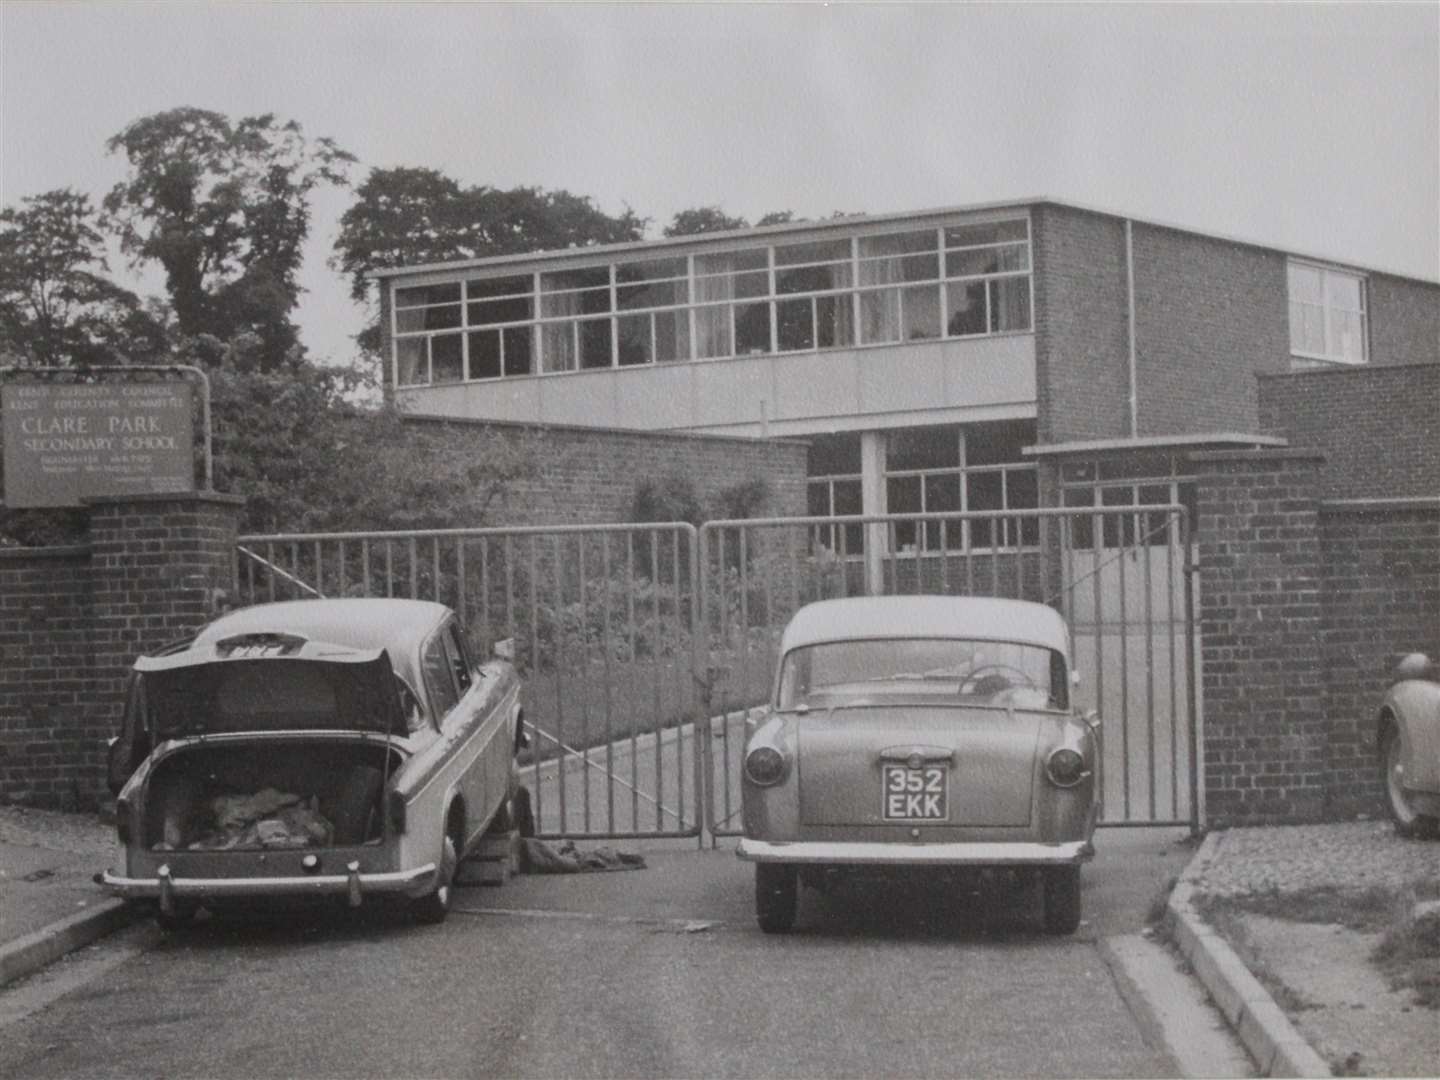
(409, 217)
(703, 219)
(224, 209)
(57, 307)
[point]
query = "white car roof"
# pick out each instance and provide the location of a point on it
(973, 617)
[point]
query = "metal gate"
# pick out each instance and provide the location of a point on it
(1119, 576)
(602, 620)
(644, 648)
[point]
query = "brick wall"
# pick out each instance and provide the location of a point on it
(1265, 738)
(1081, 365)
(1378, 427)
(1209, 314)
(1381, 589)
(1305, 604)
(72, 621)
(1404, 320)
(589, 476)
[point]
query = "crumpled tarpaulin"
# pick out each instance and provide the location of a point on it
(266, 819)
(538, 857)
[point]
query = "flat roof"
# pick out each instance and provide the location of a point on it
(1155, 442)
(604, 251)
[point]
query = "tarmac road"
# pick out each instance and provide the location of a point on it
(659, 972)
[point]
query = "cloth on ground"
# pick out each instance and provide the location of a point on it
(538, 857)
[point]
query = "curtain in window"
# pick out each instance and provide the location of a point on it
(558, 349)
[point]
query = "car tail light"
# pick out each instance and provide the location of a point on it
(1066, 768)
(765, 766)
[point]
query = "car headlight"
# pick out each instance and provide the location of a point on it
(1066, 768)
(765, 766)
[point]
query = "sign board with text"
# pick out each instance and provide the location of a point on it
(67, 441)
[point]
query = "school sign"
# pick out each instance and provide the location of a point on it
(65, 442)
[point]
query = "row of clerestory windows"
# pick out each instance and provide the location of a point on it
(956, 280)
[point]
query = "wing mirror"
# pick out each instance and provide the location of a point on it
(505, 649)
(1092, 718)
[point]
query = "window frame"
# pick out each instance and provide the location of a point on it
(1329, 355)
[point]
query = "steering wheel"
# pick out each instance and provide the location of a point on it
(994, 678)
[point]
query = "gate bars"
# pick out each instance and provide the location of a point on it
(645, 648)
(602, 622)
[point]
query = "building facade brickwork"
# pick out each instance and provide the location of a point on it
(1404, 320)
(1378, 427)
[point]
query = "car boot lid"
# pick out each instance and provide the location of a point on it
(270, 682)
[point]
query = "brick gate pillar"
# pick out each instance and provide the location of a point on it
(1265, 729)
(160, 567)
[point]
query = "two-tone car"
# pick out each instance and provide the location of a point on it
(926, 733)
(1408, 740)
(351, 748)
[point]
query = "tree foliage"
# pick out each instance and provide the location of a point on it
(709, 219)
(223, 208)
(57, 306)
(410, 216)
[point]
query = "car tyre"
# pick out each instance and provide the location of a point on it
(1407, 820)
(435, 905)
(777, 894)
(1061, 888)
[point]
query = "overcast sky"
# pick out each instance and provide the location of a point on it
(1311, 127)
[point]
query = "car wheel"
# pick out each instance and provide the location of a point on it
(181, 916)
(1062, 899)
(777, 890)
(1408, 822)
(435, 905)
(357, 809)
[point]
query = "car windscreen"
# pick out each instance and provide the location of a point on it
(932, 671)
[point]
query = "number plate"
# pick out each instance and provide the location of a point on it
(921, 794)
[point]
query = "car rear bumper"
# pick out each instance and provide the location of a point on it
(167, 888)
(830, 853)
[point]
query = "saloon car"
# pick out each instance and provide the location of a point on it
(921, 734)
(349, 748)
(1408, 738)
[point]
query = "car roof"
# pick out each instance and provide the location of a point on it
(398, 626)
(986, 618)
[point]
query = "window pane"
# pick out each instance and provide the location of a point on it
(1347, 332)
(672, 336)
(835, 323)
(655, 294)
(817, 252)
(752, 329)
(880, 316)
(998, 443)
(558, 340)
(817, 499)
(902, 496)
(517, 350)
(484, 354)
(1022, 492)
(712, 331)
(921, 448)
(846, 494)
(1305, 284)
(1342, 291)
(595, 343)
(942, 495)
(446, 362)
(428, 318)
(984, 491)
(515, 309)
(812, 278)
(410, 364)
(922, 313)
(484, 288)
(834, 455)
(634, 344)
(966, 304)
(992, 232)
(729, 261)
(898, 243)
(417, 295)
(795, 325)
(1009, 304)
(650, 270)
